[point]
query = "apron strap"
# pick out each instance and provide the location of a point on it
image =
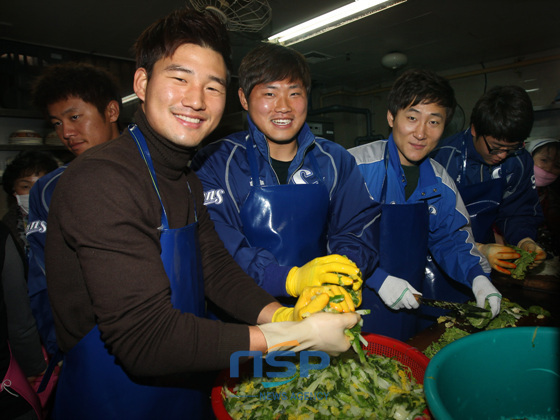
(253, 165)
(145, 153)
(316, 168)
(384, 186)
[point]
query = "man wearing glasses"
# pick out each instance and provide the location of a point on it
(494, 175)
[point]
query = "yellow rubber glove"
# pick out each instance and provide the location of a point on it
(330, 297)
(307, 304)
(529, 245)
(333, 269)
(497, 255)
(339, 298)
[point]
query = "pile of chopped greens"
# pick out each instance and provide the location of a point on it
(380, 388)
(450, 335)
(510, 313)
(522, 263)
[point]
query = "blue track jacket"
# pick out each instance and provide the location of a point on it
(450, 239)
(224, 171)
(520, 212)
(36, 232)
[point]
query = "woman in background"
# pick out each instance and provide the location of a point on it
(18, 179)
(546, 157)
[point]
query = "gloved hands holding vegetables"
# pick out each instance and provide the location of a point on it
(484, 290)
(315, 299)
(529, 245)
(333, 269)
(397, 293)
(497, 255)
(321, 331)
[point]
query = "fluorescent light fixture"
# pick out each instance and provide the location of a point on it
(129, 98)
(334, 19)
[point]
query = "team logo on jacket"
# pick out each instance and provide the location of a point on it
(303, 177)
(213, 197)
(432, 210)
(37, 226)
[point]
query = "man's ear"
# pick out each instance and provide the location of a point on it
(390, 119)
(112, 111)
(140, 83)
(243, 99)
(473, 132)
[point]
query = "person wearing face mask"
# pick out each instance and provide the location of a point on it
(546, 158)
(18, 179)
(494, 175)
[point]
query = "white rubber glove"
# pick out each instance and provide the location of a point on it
(397, 293)
(484, 290)
(320, 331)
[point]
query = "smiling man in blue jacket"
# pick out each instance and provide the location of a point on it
(290, 207)
(421, 211)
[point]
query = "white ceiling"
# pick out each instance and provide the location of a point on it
(435, 34)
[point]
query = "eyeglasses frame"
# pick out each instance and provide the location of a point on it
(497, 151)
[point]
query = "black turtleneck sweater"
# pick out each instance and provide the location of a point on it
(103, 261)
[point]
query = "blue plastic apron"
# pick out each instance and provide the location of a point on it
(289, 220)
(93, 386)
(403, 245)
(482, 201)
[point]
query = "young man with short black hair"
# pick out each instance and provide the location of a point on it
(422, 210)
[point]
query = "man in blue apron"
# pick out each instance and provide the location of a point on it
(132, 253)
(494, 174)
(422, 210)
(292, 208)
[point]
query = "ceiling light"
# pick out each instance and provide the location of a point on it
(129, 98)
(394, 60)
(343, 15)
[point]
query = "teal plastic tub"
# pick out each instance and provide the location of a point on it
(504, 374)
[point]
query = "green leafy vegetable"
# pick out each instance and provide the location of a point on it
(355, 336)
(381, 388)
(337, 299)
(481, 321)
(355, 333)
(510, 313)
(450, 335)
(522, 263)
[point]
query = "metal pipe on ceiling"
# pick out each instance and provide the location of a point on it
(509, 66)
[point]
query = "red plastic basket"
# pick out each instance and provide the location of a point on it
(377, 344)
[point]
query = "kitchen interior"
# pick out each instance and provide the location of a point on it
(476, 44)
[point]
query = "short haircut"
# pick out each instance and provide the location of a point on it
(91, 84)
(184, 26)
(505, 113)
(25, 164)
(416, 86)
(272, 62)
